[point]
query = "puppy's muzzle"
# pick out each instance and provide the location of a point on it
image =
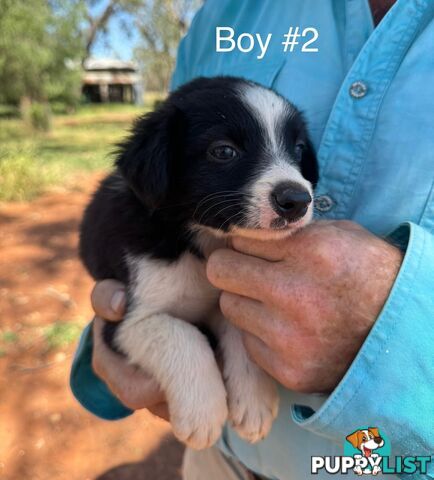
(290, 201)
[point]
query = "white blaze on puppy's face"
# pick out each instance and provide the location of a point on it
(272, 112)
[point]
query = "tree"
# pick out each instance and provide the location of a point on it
(161, 24)
(41, 45)
(38, 47)
(98, 15)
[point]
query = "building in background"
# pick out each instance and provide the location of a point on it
(111, 80)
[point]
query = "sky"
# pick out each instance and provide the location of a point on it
(117, 43)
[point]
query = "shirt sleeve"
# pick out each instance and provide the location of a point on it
(390, 384)
(92, 393)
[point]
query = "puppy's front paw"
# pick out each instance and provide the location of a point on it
(253, 404)
(198, 415)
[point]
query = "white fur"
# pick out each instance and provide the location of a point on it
(270, 109)
(158, 336)
(179, 288)
(260, 212)
(253, 400)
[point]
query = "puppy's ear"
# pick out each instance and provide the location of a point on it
(374, 431)
(354, 439)
(146, 158)
(309, 164)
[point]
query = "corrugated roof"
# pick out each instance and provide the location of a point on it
(109, 64)
(105, 77)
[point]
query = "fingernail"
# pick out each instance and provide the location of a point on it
(117, 303)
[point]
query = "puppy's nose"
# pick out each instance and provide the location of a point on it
(290, 201)
(378, 440)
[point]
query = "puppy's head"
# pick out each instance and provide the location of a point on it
(226, 155)
(366, 440)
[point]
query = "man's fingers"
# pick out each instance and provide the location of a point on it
(98, 342)
(346, 225)
(237, 273)
(266, 358)
(134, 388)
(260, 353)
(275, 250)
(272, 250)
(108, 299)
(246, 314)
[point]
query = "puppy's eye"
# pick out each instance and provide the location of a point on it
(299, 149)
(223, 153)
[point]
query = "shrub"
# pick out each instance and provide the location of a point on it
(21, 178)
(40, 116)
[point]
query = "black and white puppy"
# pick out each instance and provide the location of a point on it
(220, 157)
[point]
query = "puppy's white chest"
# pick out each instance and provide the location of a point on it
(180, 288)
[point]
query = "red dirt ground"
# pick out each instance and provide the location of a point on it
(44, 433)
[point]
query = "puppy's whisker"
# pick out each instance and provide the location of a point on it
(217, 197)
(239, 205)
(206, 200)
(214, 197)
(226, 192)
(228, 220)
(235, 205)
(223, 193)
(216, 205)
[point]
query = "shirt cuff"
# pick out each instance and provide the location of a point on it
(390, 384)
(91, 392)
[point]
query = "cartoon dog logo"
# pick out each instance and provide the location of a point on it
(366, 441)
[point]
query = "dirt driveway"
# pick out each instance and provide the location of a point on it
(44, 301)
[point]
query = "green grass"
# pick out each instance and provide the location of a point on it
(58, 335)
(61, 334)
(31, 162)
(8, 337)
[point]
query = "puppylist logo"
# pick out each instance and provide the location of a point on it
(367, 451)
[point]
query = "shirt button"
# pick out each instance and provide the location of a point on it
(358, 89)
(323, 203)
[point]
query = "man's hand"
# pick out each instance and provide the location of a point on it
(306, 304)
(131, 386)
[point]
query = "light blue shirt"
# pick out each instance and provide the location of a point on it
(368, 97)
